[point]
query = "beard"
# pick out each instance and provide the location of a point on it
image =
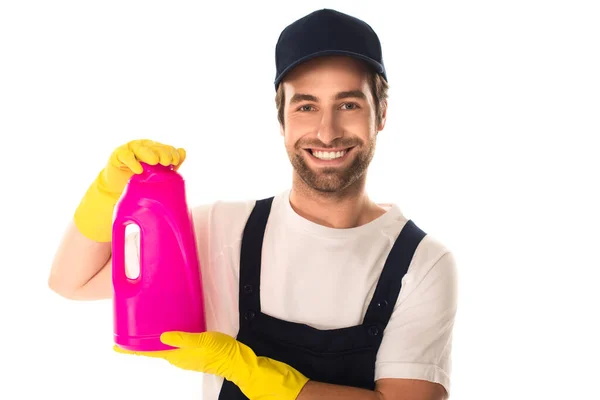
(332, 179)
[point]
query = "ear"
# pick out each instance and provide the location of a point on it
(281, 129)
(383, 117)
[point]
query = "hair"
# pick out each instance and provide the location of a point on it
(379, 90)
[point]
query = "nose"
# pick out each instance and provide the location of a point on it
(329, 129)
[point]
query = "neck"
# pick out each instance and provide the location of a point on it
(348, 208)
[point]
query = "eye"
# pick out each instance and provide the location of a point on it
(306, 107)
(350, 106)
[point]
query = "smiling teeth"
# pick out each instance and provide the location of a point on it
(329, 155)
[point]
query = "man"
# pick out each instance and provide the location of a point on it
(317, 292)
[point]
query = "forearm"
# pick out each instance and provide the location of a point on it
(386, 389)
(98, 288)
(318, 390)
(79, 261)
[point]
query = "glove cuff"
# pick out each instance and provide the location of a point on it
(94, 214)
(275, 378)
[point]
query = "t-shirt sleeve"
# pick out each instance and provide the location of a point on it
(417, 341)
(201, 216)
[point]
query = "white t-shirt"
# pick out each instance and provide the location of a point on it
(325, 278)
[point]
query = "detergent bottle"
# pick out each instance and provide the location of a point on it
(166, 292)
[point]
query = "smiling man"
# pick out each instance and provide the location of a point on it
(317, 292)
(329, 123)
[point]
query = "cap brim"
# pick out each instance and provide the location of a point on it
(376, 65)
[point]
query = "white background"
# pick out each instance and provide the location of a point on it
(491, 145)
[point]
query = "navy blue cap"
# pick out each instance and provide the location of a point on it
(327, 32)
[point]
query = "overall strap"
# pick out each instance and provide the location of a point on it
(390, 282)
(250, 260)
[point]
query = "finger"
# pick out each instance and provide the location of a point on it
(145, 154)
(147, 142)
(164, 154)
(128, 159)
(174, 155)
(184, 340)
(154, 354)
(175, 339)
(182, 156)
(211, 341)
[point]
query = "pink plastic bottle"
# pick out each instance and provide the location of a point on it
(166, 295)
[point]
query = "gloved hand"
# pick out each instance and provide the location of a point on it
(94, 215)
(220, 354)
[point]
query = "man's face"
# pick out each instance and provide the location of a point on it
(329, 122)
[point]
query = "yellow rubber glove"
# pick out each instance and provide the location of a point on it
(94, 215)
(220, 354)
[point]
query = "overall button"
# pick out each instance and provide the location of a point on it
(249, 315)
(248, 289)
(373, 331)
(382, 304)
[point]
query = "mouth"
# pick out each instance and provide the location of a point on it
(329, 154)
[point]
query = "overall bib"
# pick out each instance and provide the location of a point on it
(344, 356)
